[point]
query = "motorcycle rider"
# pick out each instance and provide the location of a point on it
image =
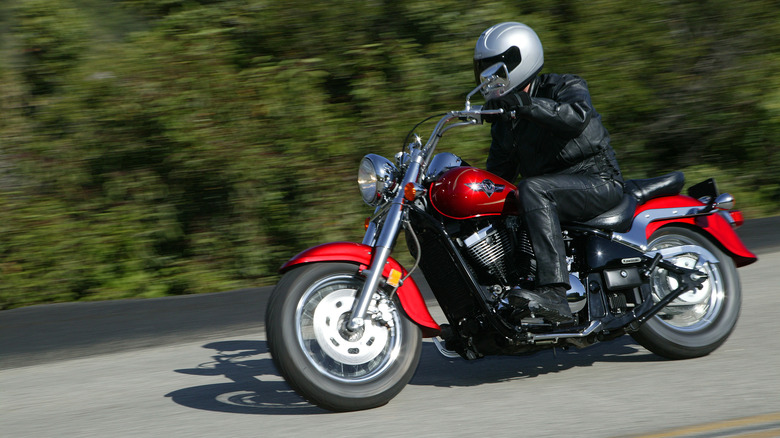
(551, 135)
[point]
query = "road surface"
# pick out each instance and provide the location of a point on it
(198, 366)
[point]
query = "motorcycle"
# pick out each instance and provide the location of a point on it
(345, 323)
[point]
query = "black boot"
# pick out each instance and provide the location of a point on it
(549, 302)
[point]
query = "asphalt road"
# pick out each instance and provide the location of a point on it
(198, 366)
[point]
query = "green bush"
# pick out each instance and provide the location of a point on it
(159, 147)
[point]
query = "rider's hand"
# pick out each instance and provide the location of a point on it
(508, 102)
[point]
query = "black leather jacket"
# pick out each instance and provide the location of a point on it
(557, 130)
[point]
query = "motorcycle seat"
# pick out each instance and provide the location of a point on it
(617, 218)
(636, 192)
(646, 189)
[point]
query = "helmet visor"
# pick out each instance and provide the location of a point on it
(511, 58)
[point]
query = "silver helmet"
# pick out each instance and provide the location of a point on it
(517, 47)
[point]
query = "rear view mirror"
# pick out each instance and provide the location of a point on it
(493, 73)
(491, 80)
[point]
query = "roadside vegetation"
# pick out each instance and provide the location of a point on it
(161, 147)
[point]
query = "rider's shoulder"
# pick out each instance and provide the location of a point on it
(556, 78)
(553, 84)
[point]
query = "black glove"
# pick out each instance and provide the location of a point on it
(509, 102)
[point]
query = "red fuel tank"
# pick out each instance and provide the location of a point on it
(467, 192)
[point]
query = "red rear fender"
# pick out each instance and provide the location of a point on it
(408, 293)
(714, 224)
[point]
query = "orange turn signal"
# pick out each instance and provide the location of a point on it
(394, 278)
(413, 191)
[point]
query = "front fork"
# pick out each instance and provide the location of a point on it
(383, 246)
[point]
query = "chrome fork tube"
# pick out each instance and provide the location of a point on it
(370, 237)
(391, 227)
(384, 244)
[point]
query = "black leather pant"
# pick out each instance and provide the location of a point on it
(546, 201)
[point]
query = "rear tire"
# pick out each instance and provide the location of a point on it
(329, 366)
(698, 322)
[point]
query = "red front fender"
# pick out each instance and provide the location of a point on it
(409, 294)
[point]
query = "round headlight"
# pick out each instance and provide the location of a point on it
(374, 177)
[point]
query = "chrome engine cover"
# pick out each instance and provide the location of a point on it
(576, 296)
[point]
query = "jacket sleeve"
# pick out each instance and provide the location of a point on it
(567, 112)
(502, 160)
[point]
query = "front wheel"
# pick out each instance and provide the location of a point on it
(327, 364)
(698, 321)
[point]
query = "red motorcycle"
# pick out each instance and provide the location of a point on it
(345, 323)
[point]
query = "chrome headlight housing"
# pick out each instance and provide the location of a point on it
(376, 177)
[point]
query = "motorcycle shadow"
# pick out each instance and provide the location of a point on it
(436, 370)
(255, 386)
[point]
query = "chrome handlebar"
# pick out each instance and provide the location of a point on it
(471, 115)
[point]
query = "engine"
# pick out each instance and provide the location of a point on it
(501, 251)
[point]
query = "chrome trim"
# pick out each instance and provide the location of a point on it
(470, 122)
(433, 140)
(725, 215)
(360, 306)
(370, 237)
(674, 251)
(692, 310)
(444, 352)
(477, 236)
(384, 172)
(393, 340)
(383, 236)
(494, 80)
(441, 163)
(724, 201)
(384, 245)
(576, 295)
(636, 237)
(594, 326)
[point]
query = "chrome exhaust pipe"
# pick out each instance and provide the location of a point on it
(554, 337)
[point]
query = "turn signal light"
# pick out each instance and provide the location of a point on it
(413, 191)
(368, 221)
(739, 219)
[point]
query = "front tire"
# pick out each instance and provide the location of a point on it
(699, 321)
(326, 364)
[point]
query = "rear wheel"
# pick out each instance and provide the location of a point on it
(330, 366)
(699, 321)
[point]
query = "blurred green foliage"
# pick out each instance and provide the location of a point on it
(158, 147)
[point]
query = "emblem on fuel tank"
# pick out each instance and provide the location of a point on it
(487, 186)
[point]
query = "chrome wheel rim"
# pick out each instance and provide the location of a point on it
(693, 310)
(349, 357)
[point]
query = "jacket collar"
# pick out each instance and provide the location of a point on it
(534, 86)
